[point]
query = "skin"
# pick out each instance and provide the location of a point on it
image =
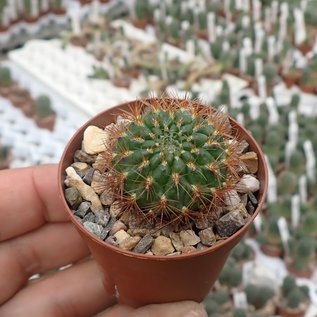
(35, 237)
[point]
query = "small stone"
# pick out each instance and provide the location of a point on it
(189, 237)
(78, 219)
(252, 198)
(93, 228)
(88, 176)
(201, 246)
(174, 253)
(107, 197)
(115, 209)
(188, 249)
(86, 191)
(144, 244)
(231, 198)
(94, 140)
(248, 183)
(250, 208)
(120, 236)
(103, 218)
(243, 146)
(99, 164)
(110, 224)
(81, 156)
(89, 217)
(228, 224)
(177, 241)
(80, 168)
(83, 209)
(149, 252)
(97, 183)
(201, 222)
(104, 234)
(117, 226)
(162, 246)
(242, 210)
(111, 240)
(244, 199)
(250, 159)
(129, 243)
(73, 197)
(207, 237)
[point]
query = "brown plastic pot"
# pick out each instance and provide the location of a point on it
(138, 279)
(288, 312)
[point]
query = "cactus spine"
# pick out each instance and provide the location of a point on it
(174, 158)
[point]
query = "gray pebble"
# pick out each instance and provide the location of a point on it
(78, 219)
(110, 224)
(90, 217)
(144, 244)
(81, 156)
(228, 224)
(88, 176)
(102, 218)
(111, 240)
(73, 197)
(83, 209)
(250, 208)
(252, 198)
(243, 146)
(92, 227)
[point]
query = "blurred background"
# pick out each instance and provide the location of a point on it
(63, 61)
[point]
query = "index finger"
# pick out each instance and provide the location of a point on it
(28, 198)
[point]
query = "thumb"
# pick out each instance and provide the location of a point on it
(178, 309)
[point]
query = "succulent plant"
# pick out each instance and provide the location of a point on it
(297, 162)
(258, 296)
(141, 8)
(4, 152)
(270, 234)
(231, 274)
(309, 224)
(286, 183)
(242, 252)
(302, 252)
(239, 312)
(5, 77)
(270, 73)
(43, 107)
(295, 297)
(295, 100)
(174, 159)
(289, 283)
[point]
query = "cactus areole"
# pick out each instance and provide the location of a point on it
(172, 159)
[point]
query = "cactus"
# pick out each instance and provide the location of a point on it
(302, 253)
(286, 183)
(295, 100)
(289, 283)
(297, 162)
(242, 252)
(231, 275)
(43, 107)
(296, 296)
(141, 8)
(258, 296)
(270, 73)
(309, 224)
(239, 312)
(4, 153)
(174, 160)
(5, 77)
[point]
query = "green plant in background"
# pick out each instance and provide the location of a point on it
(242, 252)
(309, 224)
(43, 107)
(202, 21)
(141, 9)
(5, 77)
(174, 160)
(218, 303)
(5, 152)
(99, 73)
(270, 73)
(239, 312)
(295, 100)
(231, 275)
(287, 183)
(216, 48)
(302, 253)
(292, 294)
(297, 162)
(270, 234)
(258, 296)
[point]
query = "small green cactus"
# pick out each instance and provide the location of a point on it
(43, 107)
(5, 77)
(4, 152)
(141, 8)
(270, 73)
(258, 296)
(242, 252)
(295, 100)
(287, 183)
(289, 283)
(309, 224)
(230, 275)
(297, 162)
(295, 297)
(239, 312)
(175, 159)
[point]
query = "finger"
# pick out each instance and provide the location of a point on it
(49, 247)
(179, 309)
(29, 197)
(75, 292)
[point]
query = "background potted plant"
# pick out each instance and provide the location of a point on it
(5, 156)
(44, 114)
(124, 269)
(6, 82)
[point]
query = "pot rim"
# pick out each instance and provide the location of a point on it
(217, 245)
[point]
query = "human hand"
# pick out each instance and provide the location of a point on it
(35, 237)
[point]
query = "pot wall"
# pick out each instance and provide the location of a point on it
(136, 279)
